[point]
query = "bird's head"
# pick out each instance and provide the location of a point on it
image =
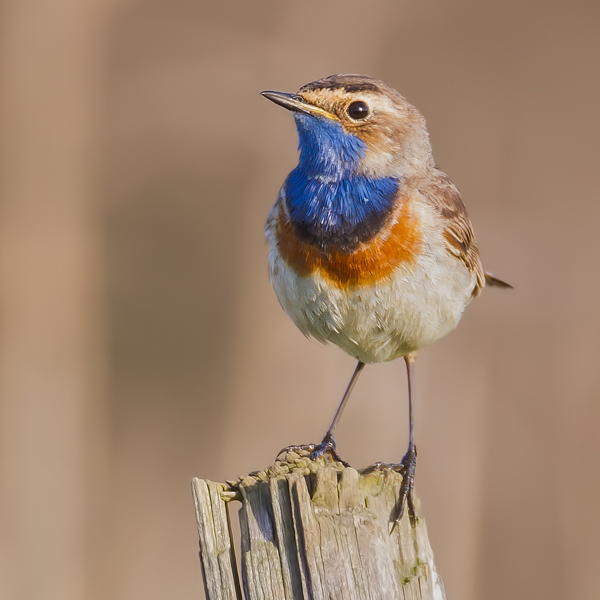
(356, 125)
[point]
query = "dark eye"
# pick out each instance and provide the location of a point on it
(358, 110)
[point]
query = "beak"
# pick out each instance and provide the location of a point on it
(296, 103)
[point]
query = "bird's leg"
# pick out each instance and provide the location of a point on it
(408, 463)
(327, 447)
(409, 460)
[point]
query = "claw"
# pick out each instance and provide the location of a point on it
(406, 467)
(326, 449)
(382, 466)
(301, 449)
(406, 497)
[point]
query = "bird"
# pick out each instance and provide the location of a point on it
(370, 244)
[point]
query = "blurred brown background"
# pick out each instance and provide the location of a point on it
(141, 343)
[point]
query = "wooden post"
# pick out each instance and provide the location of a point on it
(313, 530)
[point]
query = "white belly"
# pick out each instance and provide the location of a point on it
(382, 321)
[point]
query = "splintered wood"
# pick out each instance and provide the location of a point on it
(313, 530)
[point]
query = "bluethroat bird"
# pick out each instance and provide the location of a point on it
(370, 244)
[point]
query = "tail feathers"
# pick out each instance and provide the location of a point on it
(495, 282)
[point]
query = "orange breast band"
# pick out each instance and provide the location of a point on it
(397, 245)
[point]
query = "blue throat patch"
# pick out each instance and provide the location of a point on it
(329, 204)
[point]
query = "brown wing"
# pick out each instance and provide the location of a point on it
(458, 231)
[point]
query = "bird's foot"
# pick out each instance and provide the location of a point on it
(406, 467)
(326, 449)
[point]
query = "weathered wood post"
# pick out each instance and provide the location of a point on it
(313, 530)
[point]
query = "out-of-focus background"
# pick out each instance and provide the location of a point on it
(141, 343)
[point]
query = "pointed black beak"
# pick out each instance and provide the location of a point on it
(295, 103)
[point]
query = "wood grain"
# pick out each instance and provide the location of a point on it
(313, 531)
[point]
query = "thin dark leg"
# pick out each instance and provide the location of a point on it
(329, 438)
(408, 463)
(410, 369)
(328, 445)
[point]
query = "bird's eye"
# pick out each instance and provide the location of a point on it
(358, 110)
